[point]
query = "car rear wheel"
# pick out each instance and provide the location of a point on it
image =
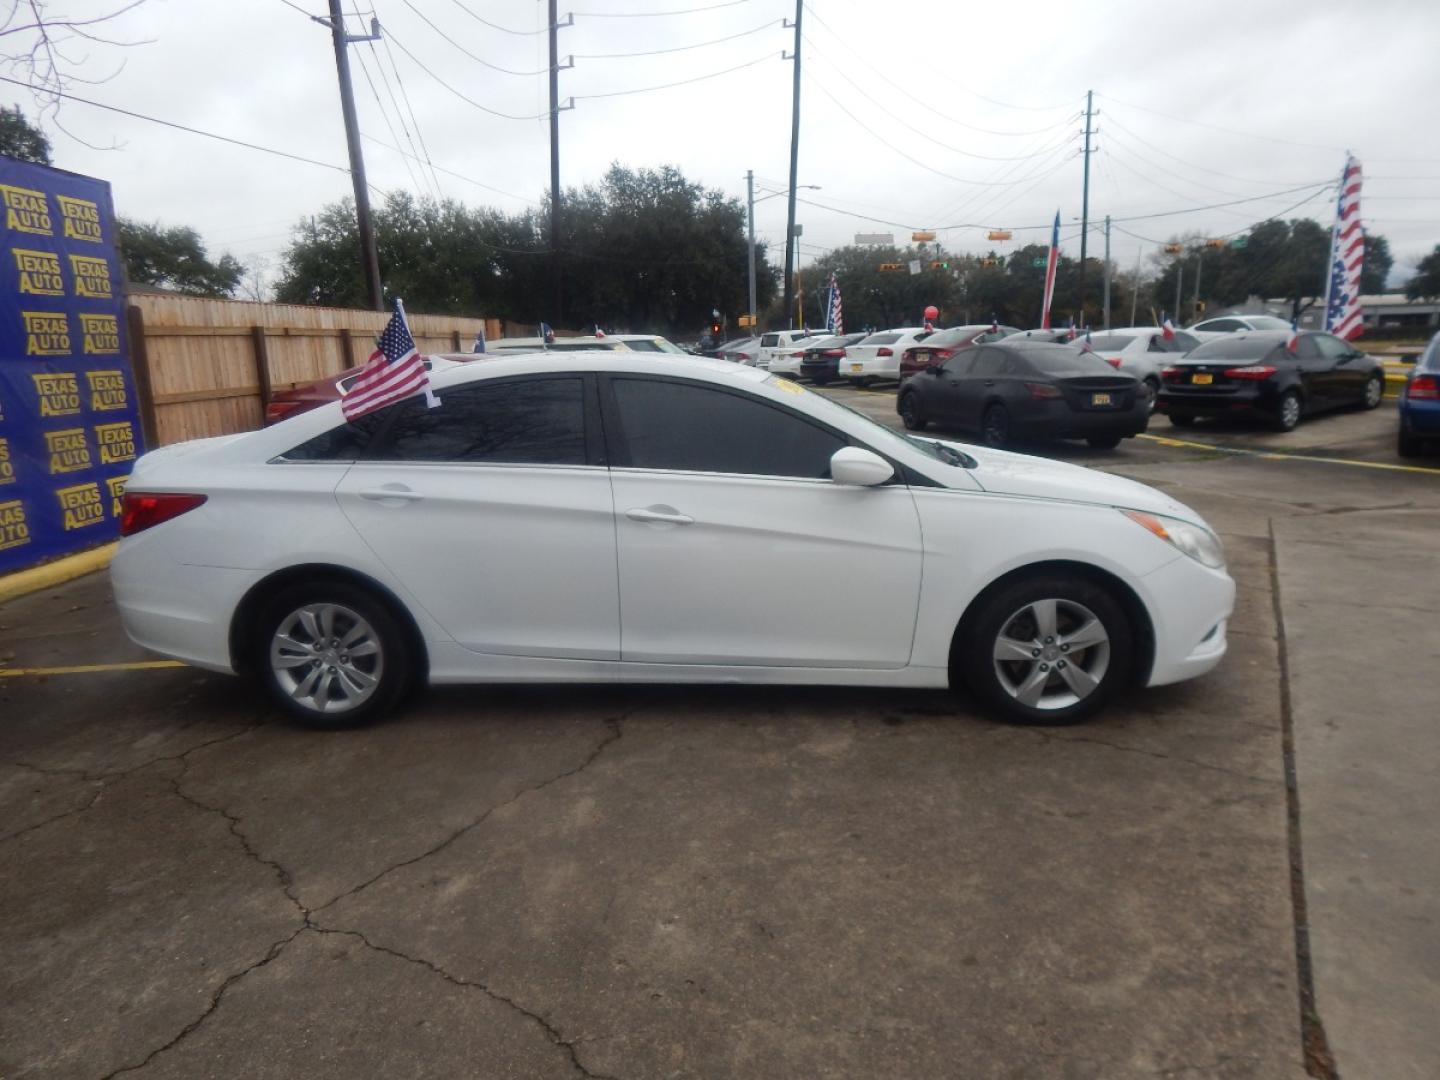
(1152, 390)
(1374, 391)
(1287, 414)
(1182, 419)
(911, 413)
(331, 655)
(1104, 442)
(819, 379)
(862, 382)
(995, 427)
(1050, 649)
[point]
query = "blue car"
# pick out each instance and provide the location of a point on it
(1420, 402)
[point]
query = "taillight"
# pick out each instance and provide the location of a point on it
(885, 352)
(1423, 388)
(1253, 373)
(941, 355)
(1043, 391)
(143, 510)
(278, 410)
(833, 353)
(1171, 374)
(908, 356)
(1113, 361)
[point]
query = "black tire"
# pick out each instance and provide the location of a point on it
(995, 427)
(1182, 419)
(391, 666)
(862, 382)
(1409, 445)
(911, 414)
(1373, 396)
(1288, 412)
(820, 380)
(1152, 388)
(1104, 442)
(1107, 665)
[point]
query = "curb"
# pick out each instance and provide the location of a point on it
(23, 582)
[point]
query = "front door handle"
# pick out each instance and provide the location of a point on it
(989, 382)
(391, 492)
(663, 515)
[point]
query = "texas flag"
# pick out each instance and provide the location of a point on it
(1167, 329)
(1292, 339)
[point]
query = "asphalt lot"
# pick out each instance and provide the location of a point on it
(702, 882)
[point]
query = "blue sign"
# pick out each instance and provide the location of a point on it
(69, 419)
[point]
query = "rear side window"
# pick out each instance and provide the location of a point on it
(680, 426)
(769, 341)
(347, 442)
(519, 422)
(991, 362)
(1221, 326)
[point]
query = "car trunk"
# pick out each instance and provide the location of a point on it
(1098, 393)
(1206, 378)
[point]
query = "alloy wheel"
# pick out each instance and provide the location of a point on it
(1051, 654)
(1374, 391)
(1289, 412)
(327, 658)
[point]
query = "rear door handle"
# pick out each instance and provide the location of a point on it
(388, 492)
(989, 382)
(666, 515)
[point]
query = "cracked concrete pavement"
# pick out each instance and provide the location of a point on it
(723, 882)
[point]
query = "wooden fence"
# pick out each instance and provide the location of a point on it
(208, 367)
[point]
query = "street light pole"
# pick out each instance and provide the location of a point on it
(750, 196)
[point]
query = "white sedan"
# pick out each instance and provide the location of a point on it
(1141, 351)
(878, 356)
(1234, 324)
(616, 517)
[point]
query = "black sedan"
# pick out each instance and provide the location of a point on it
(1260, 374)
(1018, 389)
(821, 362)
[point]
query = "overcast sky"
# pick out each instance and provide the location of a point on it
(980, 105)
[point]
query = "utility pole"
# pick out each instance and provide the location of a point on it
(1199, 262)
(1135, 289)
(1085, 200)
(1107, 271)
(369, 259)
(559, 297)
(794, 169)
(750, 198)
(1179, 282)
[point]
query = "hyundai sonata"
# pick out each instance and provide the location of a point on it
(611, 517)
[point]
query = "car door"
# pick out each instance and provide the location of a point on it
(735, 548)
(944, 389)
(1345, 375)
(980, 382)
(1317, 372)
(494, 511)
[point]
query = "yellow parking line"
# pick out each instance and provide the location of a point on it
(89, 669)
(1275, 455)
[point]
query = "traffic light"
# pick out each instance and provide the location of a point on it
(715, 328)
(987, 263)
(939, 264)
(890, 268)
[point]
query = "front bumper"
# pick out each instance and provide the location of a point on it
(1190, 607)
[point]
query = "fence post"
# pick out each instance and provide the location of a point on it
(262, 366)
(455, 338)
(140, 365)
(347, 355)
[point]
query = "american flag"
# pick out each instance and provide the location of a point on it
(394, 371)
(1347, 256)
(1050, 264)
(834, 322)
(1087, 345)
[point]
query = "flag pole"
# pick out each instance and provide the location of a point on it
(430, 399)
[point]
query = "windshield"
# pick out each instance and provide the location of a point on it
(877, 435)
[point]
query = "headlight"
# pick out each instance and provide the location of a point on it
(1200, 544)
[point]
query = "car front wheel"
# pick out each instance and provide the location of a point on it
(911, 413)
(1050, 649)
(331, 655)
(995, 426)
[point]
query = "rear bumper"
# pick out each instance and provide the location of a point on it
(824, 369)
(1420, 418)
(1065, 423)
(879, 367)
(1261, 399)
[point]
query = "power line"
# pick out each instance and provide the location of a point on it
(449, 172)
(385, 115)
(682, 82)
(193, 131)
(497, 26)
(463, 97)
(1110, 120)
(405, 96)
(952, 83)
(656, 14)
(886, 142)
(925, 134)
(479, 60)
(1217, 127)
(677, 48)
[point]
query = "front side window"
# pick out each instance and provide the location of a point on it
(990, 362)
(1331, 348)
(516, 422)
(690, 428)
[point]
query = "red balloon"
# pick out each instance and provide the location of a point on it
(932, 312)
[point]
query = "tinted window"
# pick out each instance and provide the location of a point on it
(990, 362)
(580, 346)
(769, 341)
(1066, 361)
(642, 345)
(1243, 347)
(344, 443)
(881, 339)
(670, 425)
(1111, 343)
(522, 422)
(1267, 322)
(1331, 348)
(960, 363)
(1218, 325)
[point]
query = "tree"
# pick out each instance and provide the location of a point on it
(1425, 285)
(175, 258)
(1375, 270)
(21, 139)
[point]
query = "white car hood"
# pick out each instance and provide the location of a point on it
(1005, 473)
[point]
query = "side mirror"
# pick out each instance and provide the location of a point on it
(859, 467)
